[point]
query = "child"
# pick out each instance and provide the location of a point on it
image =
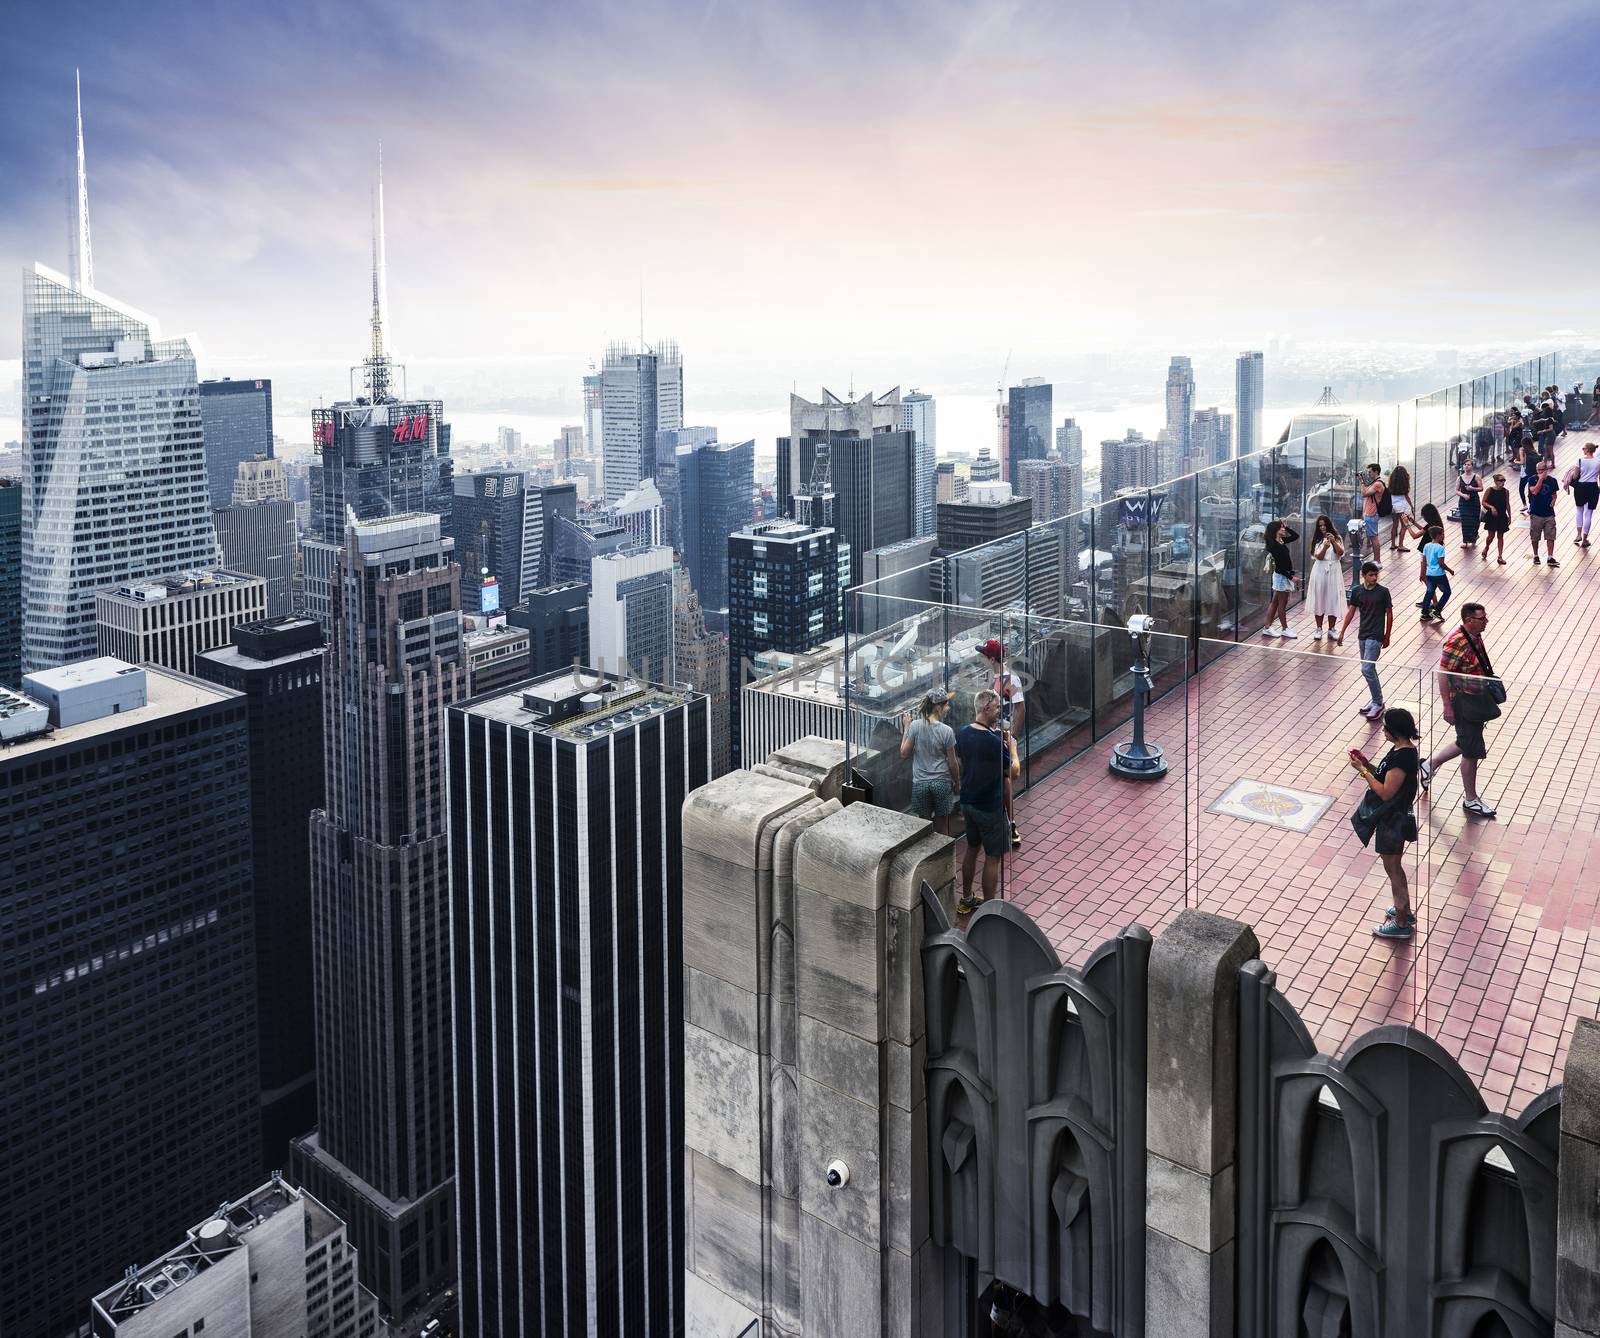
(1435, 574)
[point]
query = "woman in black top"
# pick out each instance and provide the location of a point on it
(1385, 814)
(1278, 538)
(1496, 517)
(1469, 494)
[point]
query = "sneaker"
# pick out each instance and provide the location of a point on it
(1372, 710)
(1438, 615)
(1273, 631)
(1477, 808)
(1016, 837)
(1288, 634)
(966, 905)
(1390, 929)
(1536, 562)
(1551, 562)
(1317, 635)
(1410, 919)
(1424, 776)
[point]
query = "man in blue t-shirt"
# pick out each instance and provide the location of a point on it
(983, 752)
(1542, 514)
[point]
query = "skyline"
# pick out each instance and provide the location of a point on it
(750, 190)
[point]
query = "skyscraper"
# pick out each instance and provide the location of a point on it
(1212, 439)
(1028, 424)
(171, 620)
(114, 480)
(990, 512)
(557, 620)
(486, 522)
(593, 414)
(1129, 463)
(919, 416)
(1069, 444)
(259, 479)
(786, 583)
(260, 538)
(379, 454)
(10, 583)
(640, 393)
(382, 1153)
(630, 612)
(273, 1263)
(669, 483)
(1180, 416)
(1054, 488)
(830, 418)
(565, 795)
(700, 659)
(236, 419)
(716, 481)
(1248, 390)
(278, 665)
(129, 1010)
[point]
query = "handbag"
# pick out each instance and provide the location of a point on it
(1493, 687)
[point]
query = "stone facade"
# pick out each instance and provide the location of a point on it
(803, 1044)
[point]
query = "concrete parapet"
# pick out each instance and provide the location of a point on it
(1578, 1208)
(1191, 1130)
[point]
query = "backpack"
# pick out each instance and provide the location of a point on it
(1385, 502)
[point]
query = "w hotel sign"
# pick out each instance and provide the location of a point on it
(1138, 512)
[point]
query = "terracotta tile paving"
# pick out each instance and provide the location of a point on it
(1507, 955)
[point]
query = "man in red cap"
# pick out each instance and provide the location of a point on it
(1008, 688)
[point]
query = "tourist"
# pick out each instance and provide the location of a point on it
(1013, 709)
(1435, 575)
(1277, 540)
(1584, 481)
(1514, 438)
(1373, 604)
(935, 770)
(1325, 590)
(1468, 705)
(1469, 496)
(1400, 508)
(981, 757)
(1542, 514)
(1496, 517)
(1594, 404)
(1418, 526)
(1530, 469)
(1385, 817)
(1544, 429)
(1373, 493)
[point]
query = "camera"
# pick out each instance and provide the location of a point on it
(838, 1174)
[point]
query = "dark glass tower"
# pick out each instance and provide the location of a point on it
(486, 521)
(715, 482)
(785, 592)
(277, 665)
(874, 483)
(1029, 428)
(128, 1008)
(236, 420)
(380, 883)
(10, 583)
(565, 795)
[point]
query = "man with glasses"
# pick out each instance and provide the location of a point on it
(1469, 704)
(1542, 514)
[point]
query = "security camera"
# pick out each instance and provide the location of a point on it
(838, 1174)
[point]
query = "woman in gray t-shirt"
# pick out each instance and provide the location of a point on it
(935, 773)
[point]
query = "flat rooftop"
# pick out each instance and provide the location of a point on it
(1507, 951)
(563, 709)
(166, 693)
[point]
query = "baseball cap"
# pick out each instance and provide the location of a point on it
(992, 650)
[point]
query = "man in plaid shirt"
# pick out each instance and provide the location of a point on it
(1464, 659)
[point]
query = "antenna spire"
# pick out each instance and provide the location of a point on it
(81, 254)
(378, 359)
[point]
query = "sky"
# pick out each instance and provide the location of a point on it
(801, 190)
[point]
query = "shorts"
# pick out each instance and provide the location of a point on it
(932, 798)
(1402, 505)
(1281, 584)
(1469, 738)
(1542, 527)
(987, 829)
(1371, 522)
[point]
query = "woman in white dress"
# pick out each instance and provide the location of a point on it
(1325, 591)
